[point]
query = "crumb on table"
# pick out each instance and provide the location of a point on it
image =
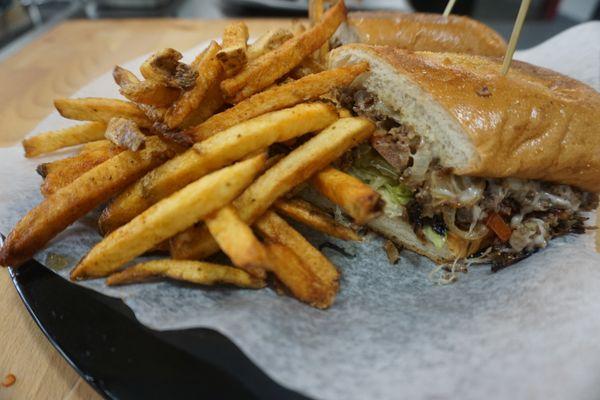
(9, 380)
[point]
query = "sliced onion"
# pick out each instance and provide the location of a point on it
(478, 232)
(454, 190)
(421, 161)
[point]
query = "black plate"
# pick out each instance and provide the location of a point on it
(100, 337)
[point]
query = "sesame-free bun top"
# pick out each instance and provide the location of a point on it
(532, 123)
(422, 32)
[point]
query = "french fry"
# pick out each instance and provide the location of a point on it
(212, 103)
(236, 240)
(154, 114)
(295, 276)
(236, 33)
(315, 14)
(75, 200)
(102, 144)
(301, 164)
(312, 216)
(225, 147)
(125, 133)
(356, 198)
(295, 168)
(209, 71)
(45, 169)
(167, 217)
(161, 65)
(315, 11)
(233, 54)
(287, 95)
(267, 69)
(202, 273)
(124, 76)
(54, 140)
(164, 67)
(344, 112)
(273, 228)
(61, 173)
(150, 92)
(101, 110)
(269, 41)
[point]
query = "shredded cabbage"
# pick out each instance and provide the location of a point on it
(435, 238)
(372, 169)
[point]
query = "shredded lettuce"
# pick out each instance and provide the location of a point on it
(372, 169)
(435, 238)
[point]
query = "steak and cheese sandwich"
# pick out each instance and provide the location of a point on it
(469, 161)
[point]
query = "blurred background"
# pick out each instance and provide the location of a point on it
(23, 20)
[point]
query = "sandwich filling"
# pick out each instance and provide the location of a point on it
(505, 219)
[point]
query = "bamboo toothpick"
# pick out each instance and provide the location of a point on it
(514, 36)
(449, 7)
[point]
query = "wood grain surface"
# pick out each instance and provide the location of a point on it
(56, 65)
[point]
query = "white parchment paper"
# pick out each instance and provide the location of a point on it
(529, 331)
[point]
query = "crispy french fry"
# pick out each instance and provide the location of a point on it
(236, 33)
(61, 173)
(202, 273)
(344, 113)
(101, 110)
(99, 145)
(236, 240)
(295, 168)
(75, 200)
(150, 92)
(233, 54)
(287, 95)
(212, 103)
(301, 164)
(124, 76)
(102, 144)
(125, 133)
(271, 40)
(169, 216)
(54, 140)
(316, 9)
(273, 228)
(209, 71)
(154, 114)
(165, 67)
(295, 275)
(225, 147)
(356, 198)
(267, 69)
(312, 216)
(232, 59)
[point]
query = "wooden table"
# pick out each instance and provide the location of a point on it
(56, 65)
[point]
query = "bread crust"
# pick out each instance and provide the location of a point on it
(533, 123)
(424, 32)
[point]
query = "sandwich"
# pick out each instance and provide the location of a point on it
(420, 32)
(470, 162)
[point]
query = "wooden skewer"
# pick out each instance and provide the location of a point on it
(514, 36)
(449, 7)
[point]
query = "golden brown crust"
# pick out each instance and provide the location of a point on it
(532, 123)
(426, 32)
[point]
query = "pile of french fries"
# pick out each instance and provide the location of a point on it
(208, 157)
